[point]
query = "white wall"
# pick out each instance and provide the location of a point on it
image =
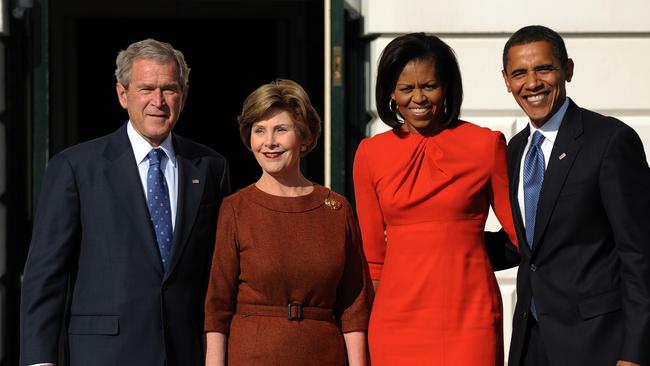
(608, 40)
(504, 16)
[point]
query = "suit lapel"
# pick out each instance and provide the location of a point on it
(518, 147)
(191, 182)
(122, 173)
(565, 150)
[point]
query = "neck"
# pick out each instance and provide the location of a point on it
(285, 185)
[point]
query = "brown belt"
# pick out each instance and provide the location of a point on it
(293, 311)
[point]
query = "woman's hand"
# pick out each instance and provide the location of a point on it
(215, 349)
(355, 343)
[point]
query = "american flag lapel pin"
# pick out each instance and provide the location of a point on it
(562, 156)
(195, 181)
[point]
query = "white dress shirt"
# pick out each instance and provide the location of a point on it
(549, 131)
(168, 164)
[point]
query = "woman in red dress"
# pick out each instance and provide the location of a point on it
(423, 192)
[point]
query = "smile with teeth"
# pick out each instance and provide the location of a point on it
(420, 109)
(535, 98)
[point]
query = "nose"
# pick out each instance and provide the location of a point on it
(532, 82)
(418, 96)
(157, 98)
(269, 141)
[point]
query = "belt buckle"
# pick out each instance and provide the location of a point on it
(298, 311)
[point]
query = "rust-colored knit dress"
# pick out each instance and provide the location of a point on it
(438, 302)
(273, 250)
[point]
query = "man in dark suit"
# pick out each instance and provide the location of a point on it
(580, 193)
(126, 226)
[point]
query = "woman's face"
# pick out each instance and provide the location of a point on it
(420, 96)
(276, 144)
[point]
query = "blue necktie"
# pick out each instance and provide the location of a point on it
(533, 179)
(159, 208)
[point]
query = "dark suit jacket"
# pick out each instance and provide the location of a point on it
(92, 232)
(589, 269)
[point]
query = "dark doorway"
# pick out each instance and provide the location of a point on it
(223, 71)
(228, 57)
(231, 46)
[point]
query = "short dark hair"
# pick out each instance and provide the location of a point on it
(418, 46)
(285, 95)
(537, 33)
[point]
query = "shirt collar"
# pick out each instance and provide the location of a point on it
(141, 147)
(550, 128)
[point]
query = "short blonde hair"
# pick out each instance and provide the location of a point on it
(286, 95)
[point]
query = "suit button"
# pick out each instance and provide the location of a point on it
(533, 267)
(525, 315)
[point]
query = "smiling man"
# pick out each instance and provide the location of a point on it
(580, 193)
(126, 226)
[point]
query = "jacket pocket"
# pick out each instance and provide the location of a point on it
(94, 324)
(600, 304)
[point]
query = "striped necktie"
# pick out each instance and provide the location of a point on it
(533, 178)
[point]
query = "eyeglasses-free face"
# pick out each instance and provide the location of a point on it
(537, 80)
(154, 99)
(277, 145)
(419, 96)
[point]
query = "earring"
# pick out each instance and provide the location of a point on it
(303, 148)
(392, 105)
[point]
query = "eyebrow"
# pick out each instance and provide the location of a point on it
(535, 68)
(163, 86)
(257, 124)
(432, 81)
(546, 66)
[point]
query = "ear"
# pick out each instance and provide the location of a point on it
(505, 79)
(568, 70)
(304, 144)
(121, 95)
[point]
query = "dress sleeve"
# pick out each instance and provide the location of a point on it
(371, 219)
(221, 297)
(355, 293)
(499, 192)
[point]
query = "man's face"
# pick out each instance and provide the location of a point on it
(537, 79)
(154, 99)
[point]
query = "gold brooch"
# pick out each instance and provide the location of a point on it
(332, 204)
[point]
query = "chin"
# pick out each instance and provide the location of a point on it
(539, 118)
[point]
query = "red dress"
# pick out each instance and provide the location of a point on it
(422, 204)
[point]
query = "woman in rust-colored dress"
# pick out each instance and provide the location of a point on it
(423, 191)
(289, 283)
